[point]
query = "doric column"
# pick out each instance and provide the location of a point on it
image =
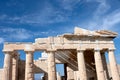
(105, 65)
(51, 66)
(58, 76)
(70, 73)
(81, 65)
(99, 65)
(8, 66)
(29, 75)
(113, 65)
(15, 58)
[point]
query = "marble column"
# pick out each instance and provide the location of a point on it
(113, 65)
(7, 66)
(15, 58)
(70, 73)
(58, 76)
(99, 65)
(51, 66)
(29, 75)
(81, 65)
(105, 65)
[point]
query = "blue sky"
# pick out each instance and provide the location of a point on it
(25, 20)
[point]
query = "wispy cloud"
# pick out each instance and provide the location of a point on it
(15, 34)
(47, 15)
(108, 22)
(102, 8)
(111, 20)
(1, 40)
(102, 21)
(20, 34)
(69, 4)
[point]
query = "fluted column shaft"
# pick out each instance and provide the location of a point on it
(70, 73)
(51, 66)
(15, 66)
(7, 66)
(105, 66)
(99, 65)
(113, 65)
(29, 75)
(81, 65)
(58, 76)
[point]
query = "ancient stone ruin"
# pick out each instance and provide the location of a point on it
(82, 53)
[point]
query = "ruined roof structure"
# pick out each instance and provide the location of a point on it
(82, 53)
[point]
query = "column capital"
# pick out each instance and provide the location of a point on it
(97, 50)
(80, 50)
(111, 49)
(9, 52)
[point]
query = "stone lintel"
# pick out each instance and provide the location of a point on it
(21, 46)
(7, 50)
(79, 50)
(51, 50)
(31, 50)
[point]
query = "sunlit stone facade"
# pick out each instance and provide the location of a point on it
(82, 53)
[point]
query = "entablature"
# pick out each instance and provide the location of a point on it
(81, 39)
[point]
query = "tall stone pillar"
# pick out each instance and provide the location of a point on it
(29, 75)
(8, 66)
(113, 65)
(105, 65)
(15, 58)
(51, 66)
(99, 65)
(58, 76)
(81, 65)
(70, 73)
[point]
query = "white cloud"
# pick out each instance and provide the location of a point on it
(108, 22)
(44, 16)
(69, 4)
(16, 34)
(111, 20)
(1, 40)
(102, 21)
(102, 8)
(3, 17)
(47, 15)
(22, 34)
